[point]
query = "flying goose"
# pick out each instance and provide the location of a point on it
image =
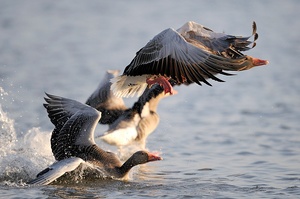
(190, 54)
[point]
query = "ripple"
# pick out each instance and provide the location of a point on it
(244, 153)
(288, 152)
(291, 177)
(242, 175)
(284, 127)
(205, 169)
(259, 162)
(265, 146)
(295, 190)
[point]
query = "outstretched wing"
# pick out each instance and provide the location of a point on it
(172, 55)
(75, 124)
(218, 43)
(56, 170)
(62, 109)
(105, 101)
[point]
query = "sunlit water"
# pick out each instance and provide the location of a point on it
(238, 139)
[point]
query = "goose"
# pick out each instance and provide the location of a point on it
(138, 122)
(190, 54)
(73, 144)
(126, 126)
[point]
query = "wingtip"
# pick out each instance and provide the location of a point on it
(254, 28)
(46, 105)
(47, 94)
(48, 100)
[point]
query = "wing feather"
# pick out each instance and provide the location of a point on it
(74, 122)
(192, 56)
(105, 101)
(56, 170)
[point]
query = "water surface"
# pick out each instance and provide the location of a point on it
(238, 139)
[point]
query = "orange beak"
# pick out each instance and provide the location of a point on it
(153, 157)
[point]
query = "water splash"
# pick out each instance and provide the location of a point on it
(21, 159)
(7, 133)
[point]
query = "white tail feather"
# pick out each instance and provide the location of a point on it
(128, 86)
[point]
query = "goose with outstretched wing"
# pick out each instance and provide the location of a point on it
(73, 144)
(191, 54)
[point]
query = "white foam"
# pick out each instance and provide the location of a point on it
(21, 160)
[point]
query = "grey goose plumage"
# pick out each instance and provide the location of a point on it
(190, 54)
(138, 122)
(103, 99)
(127, 126)
(73, 142)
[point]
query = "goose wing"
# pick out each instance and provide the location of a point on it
(105, 101)
(56, 170)
(218, 43)
(172, 55)
(75, 124)
(61, 109)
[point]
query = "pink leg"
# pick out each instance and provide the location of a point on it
(162, 81)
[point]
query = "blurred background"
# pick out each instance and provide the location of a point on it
(249, 124)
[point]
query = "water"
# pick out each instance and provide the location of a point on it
(238, 139)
